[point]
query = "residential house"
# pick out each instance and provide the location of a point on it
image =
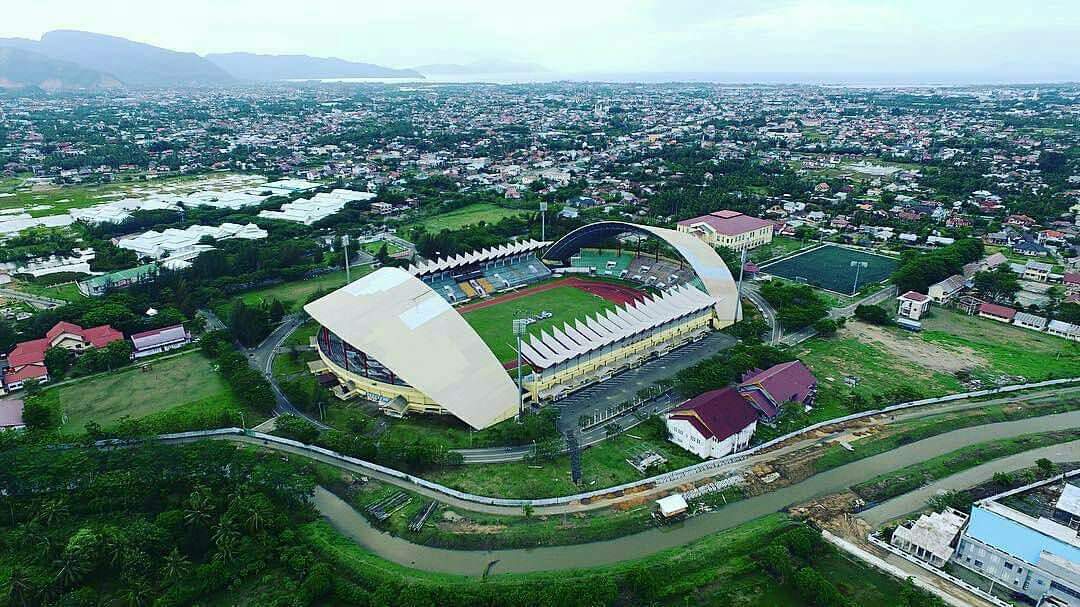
(714, 424)
(1029, 321)
(1037, 271)
(942, 292)
(1072, 283)
(786, 382)
(27, 360)
(160, 340)
(995, 312)
(913, 305)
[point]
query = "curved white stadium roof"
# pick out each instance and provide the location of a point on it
(703, 259)
(408, 327)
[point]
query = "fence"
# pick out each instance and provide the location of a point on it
(661, 479)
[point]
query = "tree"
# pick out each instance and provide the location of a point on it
(39, 415)
(8, 337)
(277, 311)
(1003, 479)
(826, 327)
(296, 428)
(175, 565)
(999, 284)
(58, 361)
(872, 314)
(1046, 467)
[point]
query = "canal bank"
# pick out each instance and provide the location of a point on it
(474, 563)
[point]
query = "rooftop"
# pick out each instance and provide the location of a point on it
(727, 222)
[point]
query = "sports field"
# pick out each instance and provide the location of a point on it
(472, 214)
(564, 303)
(829, 267)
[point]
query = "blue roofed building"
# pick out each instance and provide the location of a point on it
(1034, 552)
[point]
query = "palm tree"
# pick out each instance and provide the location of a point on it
(175, 565)
(20, 587)
(52, 511)
(136, 594)
(72, 568)
(200, 509)
(226, 548)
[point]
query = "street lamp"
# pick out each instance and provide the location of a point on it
(858, 265)
(543, 221)
(519, 325)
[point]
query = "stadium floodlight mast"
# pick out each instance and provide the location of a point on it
(345, 243)
(858, 265)
(543, 221)
(520, 324)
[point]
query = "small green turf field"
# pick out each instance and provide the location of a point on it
(829, 267)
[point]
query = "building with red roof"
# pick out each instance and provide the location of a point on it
(27, 360)
(996, 312)
(713, 424)
(913, 305)
(767, 390)
(729, 229)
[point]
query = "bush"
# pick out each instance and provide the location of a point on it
(872, 314)
(826, 327)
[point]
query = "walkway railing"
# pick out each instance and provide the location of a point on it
(661, 479)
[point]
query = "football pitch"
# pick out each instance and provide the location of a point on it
(563, 303)
(830, 268)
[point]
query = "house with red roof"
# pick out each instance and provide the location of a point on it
(913, 305)
(995, 312)
(767, 390)
(27, 360)
(1071, 280)
(713, 424)
(729, 229)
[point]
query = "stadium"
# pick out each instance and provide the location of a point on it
(438, 337)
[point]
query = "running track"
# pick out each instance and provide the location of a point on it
(616, 294)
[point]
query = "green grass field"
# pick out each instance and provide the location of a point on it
(294, 294)
(373, 247)
(1007, 349)
(494, 324)
(469, 215)
(67, 292)
(829, 268)
(780, 245)
(187, 380)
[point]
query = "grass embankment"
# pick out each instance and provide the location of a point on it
(603, 465)
(293, 295)
(467, 215)
(720, 569)
(920, 429)
(910, 478)
(178, 390)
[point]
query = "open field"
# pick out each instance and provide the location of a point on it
(472, 214)
(294, 294)
(780, 245)
(185, 380)
(373, 247)
(493, 323)
(829, 268)
(67, 291)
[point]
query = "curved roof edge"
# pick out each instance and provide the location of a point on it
(703, 259)
(408, 327)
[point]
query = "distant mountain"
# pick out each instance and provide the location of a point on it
(132, 63)
(21, 68)
(249, 66)
(480, 67)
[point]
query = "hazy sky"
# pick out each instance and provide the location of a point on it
(1040, 37)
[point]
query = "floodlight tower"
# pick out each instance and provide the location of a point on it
(858, 265)
(543, 220)
(519, 325)
(345, 243)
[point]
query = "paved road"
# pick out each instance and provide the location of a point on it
(261, 358)
(751, 291)
(639, 545)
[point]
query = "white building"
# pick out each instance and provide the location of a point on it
(308, 211)
(931, 537)
(185, 243)
(1029, 321)
(913, 305)
(713, 424)
(942, 292)
(1064, 329)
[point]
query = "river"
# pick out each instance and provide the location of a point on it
(474, 562)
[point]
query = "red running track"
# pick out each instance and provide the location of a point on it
(616, 294)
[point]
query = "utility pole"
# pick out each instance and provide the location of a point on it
(858, 265)
(519, 325)
(345, 243)
(742, 265)
(543, 221)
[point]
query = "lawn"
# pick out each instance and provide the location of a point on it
(1006, 349)
(494, 323)
(780, 245)
(67, 291)
(296, 293)
(185, 380)
(468, 215)
(602, 465)
(373, 248)
(829, 268)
